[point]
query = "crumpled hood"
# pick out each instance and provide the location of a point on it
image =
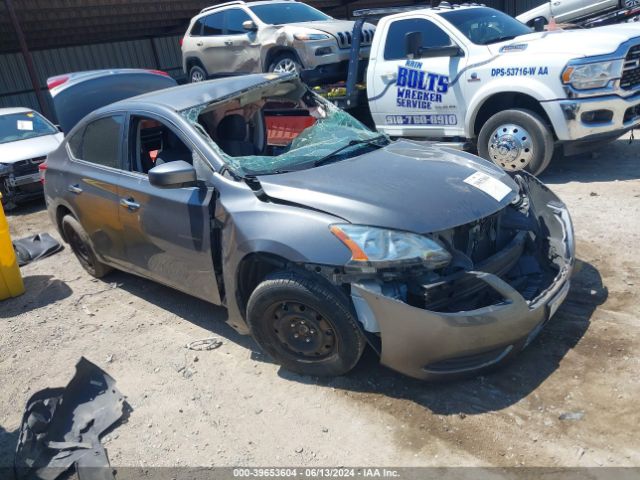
(407, 185)
(574, 43)
(31, 148)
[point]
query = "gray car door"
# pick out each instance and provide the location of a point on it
(88, 183)
(167, 232)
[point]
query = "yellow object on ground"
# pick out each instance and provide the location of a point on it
(10, 279)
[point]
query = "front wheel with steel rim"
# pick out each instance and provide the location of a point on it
(517, 140)
(285, 63)
(305, 324)
(80, 245)
(197, 74)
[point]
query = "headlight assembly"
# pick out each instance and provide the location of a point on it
(310, 36)
(592, 75)
(378, 246)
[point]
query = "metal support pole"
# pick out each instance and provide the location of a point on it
(156, 57)
(28, 60)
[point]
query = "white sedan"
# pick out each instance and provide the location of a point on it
(26, 138)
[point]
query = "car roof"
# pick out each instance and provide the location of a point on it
(191, 95)
(239, 3)
(11, 111)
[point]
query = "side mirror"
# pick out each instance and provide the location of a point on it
(414, 48)
(413, 44)
(249, 25)
(539, 24)
(176, 174)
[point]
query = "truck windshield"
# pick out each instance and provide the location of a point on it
(484, 26)
(278, 13)
(22, 126)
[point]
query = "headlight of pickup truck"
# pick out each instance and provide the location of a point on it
(592, 75)
(376, 246)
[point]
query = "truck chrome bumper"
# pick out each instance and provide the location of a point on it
(593, 119)
(430, 345)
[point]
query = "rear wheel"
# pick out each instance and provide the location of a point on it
(305, 325)
(517, 140)
(197, 74)
(81, 246)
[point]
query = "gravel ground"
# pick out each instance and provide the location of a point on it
(232, 406)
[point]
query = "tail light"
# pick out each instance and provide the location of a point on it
(181, 41)
(54, 82)
(159, 72)
(42, 168)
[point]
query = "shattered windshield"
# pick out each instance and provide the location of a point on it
(333, 135)
(22, 126)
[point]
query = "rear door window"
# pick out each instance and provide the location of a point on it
(196, 30)
(100, 142)
(235, 19)
(214, 25)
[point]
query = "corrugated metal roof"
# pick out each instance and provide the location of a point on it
(57, 23)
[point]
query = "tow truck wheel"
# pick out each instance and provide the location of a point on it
(305, 325)
(285, 63)
(517, 140)
(80, 245)
(197, 74)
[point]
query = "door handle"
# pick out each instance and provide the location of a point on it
(75, 189)
(228, 43)
(389, 77)
(130, 204)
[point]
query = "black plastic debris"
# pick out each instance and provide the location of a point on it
(36, 247)
(61, 427)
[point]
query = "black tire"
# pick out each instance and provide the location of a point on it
(7, 204)
(286, 58)
(197, 74)
(287, 304)
(81, 246)
(538, 139)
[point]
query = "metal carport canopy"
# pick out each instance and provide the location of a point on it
(59, 23)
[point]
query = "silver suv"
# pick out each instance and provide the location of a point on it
(269, 36)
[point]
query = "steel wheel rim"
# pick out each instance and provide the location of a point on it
(197, 77)
(301, 331)
(511, 148)
(286, 65)
(79, 247)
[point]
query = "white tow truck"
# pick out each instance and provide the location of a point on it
(476, 76)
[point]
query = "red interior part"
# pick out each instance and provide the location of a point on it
(281, 130)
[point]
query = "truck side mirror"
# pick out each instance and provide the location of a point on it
(249, 26)
(413, 44)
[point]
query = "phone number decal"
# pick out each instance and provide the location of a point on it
(519, 71)
(422, 119)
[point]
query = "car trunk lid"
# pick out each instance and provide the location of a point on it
(75, 95)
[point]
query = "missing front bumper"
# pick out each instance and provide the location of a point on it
(427, 344)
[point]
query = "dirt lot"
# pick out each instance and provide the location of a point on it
(232, 406)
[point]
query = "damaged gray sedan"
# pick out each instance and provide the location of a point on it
(318, 235)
